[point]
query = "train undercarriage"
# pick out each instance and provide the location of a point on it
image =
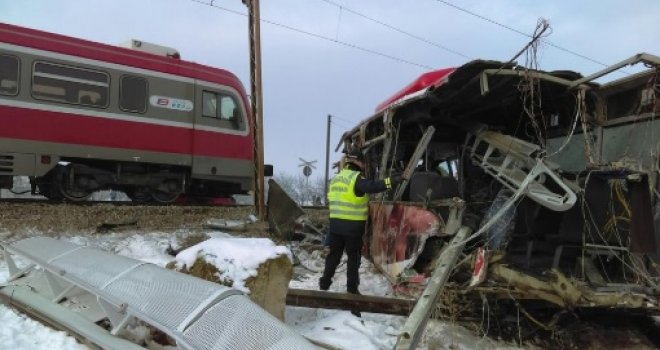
(76, 180)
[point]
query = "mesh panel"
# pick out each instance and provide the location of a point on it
(235, 323)
(45, 251)
(167, 297)
(93, 266)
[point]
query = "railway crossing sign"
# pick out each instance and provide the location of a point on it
(307, 166)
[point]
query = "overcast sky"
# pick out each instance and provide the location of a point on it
(306, 78)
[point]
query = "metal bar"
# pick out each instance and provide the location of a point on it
(412, 330)
(61, 318)
(114, 316)
(640, 57)
(644, 117)
(54, 285)
(375, 140)
(347, 301)
(327, 161)
(386, 146)
(11, 265)
(199, 310)
(485, 88)
(121, 274)
(412, 163)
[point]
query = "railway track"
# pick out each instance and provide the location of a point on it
(115, 203)
(134, 204)
(21, 215)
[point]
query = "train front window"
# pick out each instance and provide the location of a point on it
(210, 102)
(224, 108)
(74, 85)
(228, 108)
(9, 68)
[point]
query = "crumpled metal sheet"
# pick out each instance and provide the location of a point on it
(398, 234)
(282, 211)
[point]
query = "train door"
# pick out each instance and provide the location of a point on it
(222, 146)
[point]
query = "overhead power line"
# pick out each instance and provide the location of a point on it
(414, 36)
(343, 119)
(319, 36)
(549, 43)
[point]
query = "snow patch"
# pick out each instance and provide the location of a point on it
(236, 258)
(20, 332)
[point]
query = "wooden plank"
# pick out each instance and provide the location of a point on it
(347, 301)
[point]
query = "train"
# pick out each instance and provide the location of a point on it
(78, 116)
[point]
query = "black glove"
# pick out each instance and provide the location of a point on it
(396, 179)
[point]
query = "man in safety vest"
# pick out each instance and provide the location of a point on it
(349, 211)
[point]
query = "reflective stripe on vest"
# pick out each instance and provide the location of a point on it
(344, 204)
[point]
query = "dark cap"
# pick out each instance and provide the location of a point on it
(355, 154)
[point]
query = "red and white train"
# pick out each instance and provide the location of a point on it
(78, 116)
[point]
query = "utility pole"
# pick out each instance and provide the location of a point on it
(327, 161)
(257, 105)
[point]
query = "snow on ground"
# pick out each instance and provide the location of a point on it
(335, 327)
(18, 331)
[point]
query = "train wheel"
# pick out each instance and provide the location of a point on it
(48, 192)
(164, 197)
(73, 194)
(139, 195)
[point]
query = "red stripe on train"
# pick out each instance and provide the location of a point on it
(47, 126)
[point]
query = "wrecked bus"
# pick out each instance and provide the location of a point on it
(554, 175)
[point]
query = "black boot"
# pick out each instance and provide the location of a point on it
(324, 284)
(356, 313)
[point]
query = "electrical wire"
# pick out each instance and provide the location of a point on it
(319, 36)
(399, 30)
(549, 43)
(344, 119)
(341, 124)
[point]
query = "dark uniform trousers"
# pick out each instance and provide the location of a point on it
(344, 236)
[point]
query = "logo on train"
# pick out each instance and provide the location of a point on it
(171, 103)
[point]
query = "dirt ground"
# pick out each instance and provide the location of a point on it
(100, 218)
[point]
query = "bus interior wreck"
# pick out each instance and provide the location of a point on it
(551, 177)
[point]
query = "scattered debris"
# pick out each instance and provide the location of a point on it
(282, 211)
(554, 173)
(108, 227)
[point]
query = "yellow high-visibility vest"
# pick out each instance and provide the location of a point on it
(344, 204)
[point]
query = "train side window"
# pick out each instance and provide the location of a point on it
(9, 68)
(66, 84)
(223, 107)
(133, 94)
(210, 104)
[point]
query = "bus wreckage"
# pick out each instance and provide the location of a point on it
(550, 179)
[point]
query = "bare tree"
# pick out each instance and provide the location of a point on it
(303, 190)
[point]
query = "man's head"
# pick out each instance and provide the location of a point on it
(355, 158)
